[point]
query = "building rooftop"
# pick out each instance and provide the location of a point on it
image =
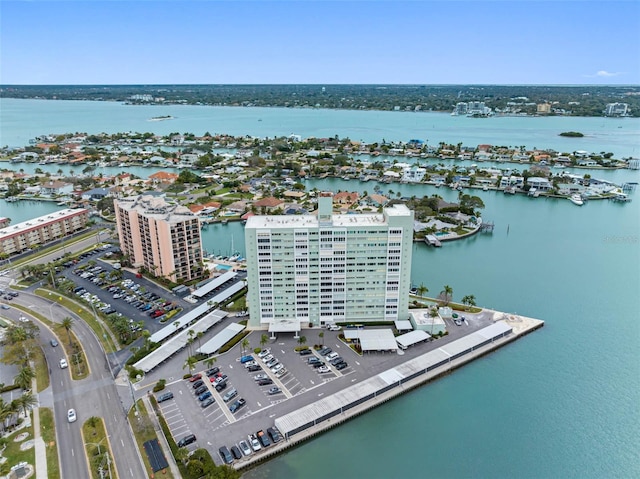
(157, 208)
(40, 221)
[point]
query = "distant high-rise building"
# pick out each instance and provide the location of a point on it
(328, 268)
(616, 109)
(163, 238)
(543, 108)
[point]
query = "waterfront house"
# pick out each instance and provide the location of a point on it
(374, 200)
(163, 178)
(540, 184)
(413, 174)
(56, 188)
(95, 194)
(346, 198)
(269, 204)
(517, 181)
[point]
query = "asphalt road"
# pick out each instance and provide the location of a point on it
(97, 395)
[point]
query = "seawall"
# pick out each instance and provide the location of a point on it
(521, 326)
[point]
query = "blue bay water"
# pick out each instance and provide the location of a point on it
(561, 402)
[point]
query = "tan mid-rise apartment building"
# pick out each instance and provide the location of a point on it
(163, 238)
(23, 236)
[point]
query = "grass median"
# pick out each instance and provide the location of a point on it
(87, 316)
(97, 448)
(80, 369)
(48, 433)
(144, 431)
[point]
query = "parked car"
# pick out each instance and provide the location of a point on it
(225, 455)
(274, 434)
(336, 360)
(253, 441)
(221, 386)
(246, 359)
(197, 384)
(277, 368)
(254, 368)
(265, 382)
(274, 390)
(185, 441)
(341, 366)
(323, 369)
(263, 353)
(213, 371)
(262, 437)
(267, 358)
(233, 392)
(237, 404)
(331, 356)
(204, 395)
(313, 360)
(201, 390)
(272, 363)
(250, 363)
(207, 402)
(244, 447)
(281, 373)
(165, 397)
(324, 351)
(259, 377)
(236, 452)
(305, 352)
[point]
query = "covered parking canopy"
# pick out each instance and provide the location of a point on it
(213, 284)
(220, 339)
(411, 338)
(373, 339)
(285, 326)
(180, 323)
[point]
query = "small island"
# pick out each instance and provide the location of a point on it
(572, 134)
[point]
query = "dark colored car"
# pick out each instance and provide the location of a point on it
(341, 366)
(236, 452)
(318, 364)
(313, 360)
(337, 360)
(221, 386)
(324, 351)
(274, 434)
(213, 371)
(204, 395)
(237, 405)
(185, 441)
(305, 352)
(207, 402)
(225, 455)
(201, 390)
(165, 396)
(198, 383)
(253, 369)
(265, 382)
(262, 437)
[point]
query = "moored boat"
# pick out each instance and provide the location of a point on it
(576, 199)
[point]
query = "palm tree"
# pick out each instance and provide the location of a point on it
(264, 339)
(422, 290)
(67, 323)
(24, 377)
(181, 454)
(469, 300)
(321, 336)
(210, 361)
(244, 345)
(446, 294)
(190, 363)
(199, 337)
(27, 401)
(302, 340)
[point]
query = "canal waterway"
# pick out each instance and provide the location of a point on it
(562, 402)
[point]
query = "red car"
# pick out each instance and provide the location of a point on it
(195, 377)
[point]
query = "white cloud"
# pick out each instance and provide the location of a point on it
(604, 74)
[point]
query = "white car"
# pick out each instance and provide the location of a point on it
(255, 444)
(267, 358)
(258, 377)
(63, 364)
(244, 447)
(323, 369)
(281, 373)
(250, 363)
(263, 353)
(277, 368)
(71, 415)
(331, 356)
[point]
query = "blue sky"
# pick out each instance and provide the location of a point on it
(325, 42)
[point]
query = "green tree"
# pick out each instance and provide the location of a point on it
(321, 336)
(422, 290)
(264, 339)
(302, 340)
(446, 294)
(24, 377)
(67, 324)
(245, 345)
(190, 363)
(469, 300)
(27, 401)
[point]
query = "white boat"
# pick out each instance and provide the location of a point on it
(576, 199)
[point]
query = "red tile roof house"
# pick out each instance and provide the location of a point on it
(346, 198)
(163, 177)
(268, 204)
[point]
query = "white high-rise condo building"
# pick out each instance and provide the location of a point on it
(329, 268)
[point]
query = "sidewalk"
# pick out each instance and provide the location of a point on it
(173, 467)
(39, 445)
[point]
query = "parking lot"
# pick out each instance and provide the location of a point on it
(298, 383)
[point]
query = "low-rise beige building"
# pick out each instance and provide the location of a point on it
(28, 234)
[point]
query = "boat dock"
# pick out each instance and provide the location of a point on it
(431, 240)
